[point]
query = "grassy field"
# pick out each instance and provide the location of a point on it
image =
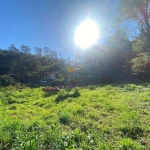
(88, 118)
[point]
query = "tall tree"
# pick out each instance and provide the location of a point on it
(46, 51)
(53, 54)
(13, 48)
(141, 64)
(140, 44)
(25, 49)
(38, 51)
(138, 11)
(119, 41)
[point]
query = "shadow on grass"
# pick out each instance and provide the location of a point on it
(133, 132)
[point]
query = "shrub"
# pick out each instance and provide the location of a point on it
(62, 94)
(76, 92)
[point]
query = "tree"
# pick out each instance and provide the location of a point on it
(53, 54)
(27, 68)
(119, 41)
(138, 11)
(25, 49)
(46, 51)
(38, 51)
(141, 64)
(140, 44)
(119, 53)
(13, 48)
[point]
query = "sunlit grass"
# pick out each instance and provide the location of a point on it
(93, 117)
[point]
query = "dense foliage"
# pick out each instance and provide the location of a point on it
(137, 12)
(25, 67)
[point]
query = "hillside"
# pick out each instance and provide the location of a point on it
(87, 118)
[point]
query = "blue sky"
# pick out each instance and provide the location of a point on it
(51, 23)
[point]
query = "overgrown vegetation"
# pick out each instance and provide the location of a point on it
(63, 94)
(107, 117)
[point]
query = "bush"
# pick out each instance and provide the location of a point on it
(76, 92)
(62, 94)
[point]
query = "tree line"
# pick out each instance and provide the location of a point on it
(25, 67)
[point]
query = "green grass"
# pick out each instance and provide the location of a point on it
(88, 118)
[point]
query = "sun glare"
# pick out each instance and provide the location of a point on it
(86, 34)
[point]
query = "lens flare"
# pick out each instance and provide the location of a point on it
(86, 34)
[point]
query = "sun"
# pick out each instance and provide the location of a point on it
(86, 34)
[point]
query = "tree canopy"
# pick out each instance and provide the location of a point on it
(136, 10)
